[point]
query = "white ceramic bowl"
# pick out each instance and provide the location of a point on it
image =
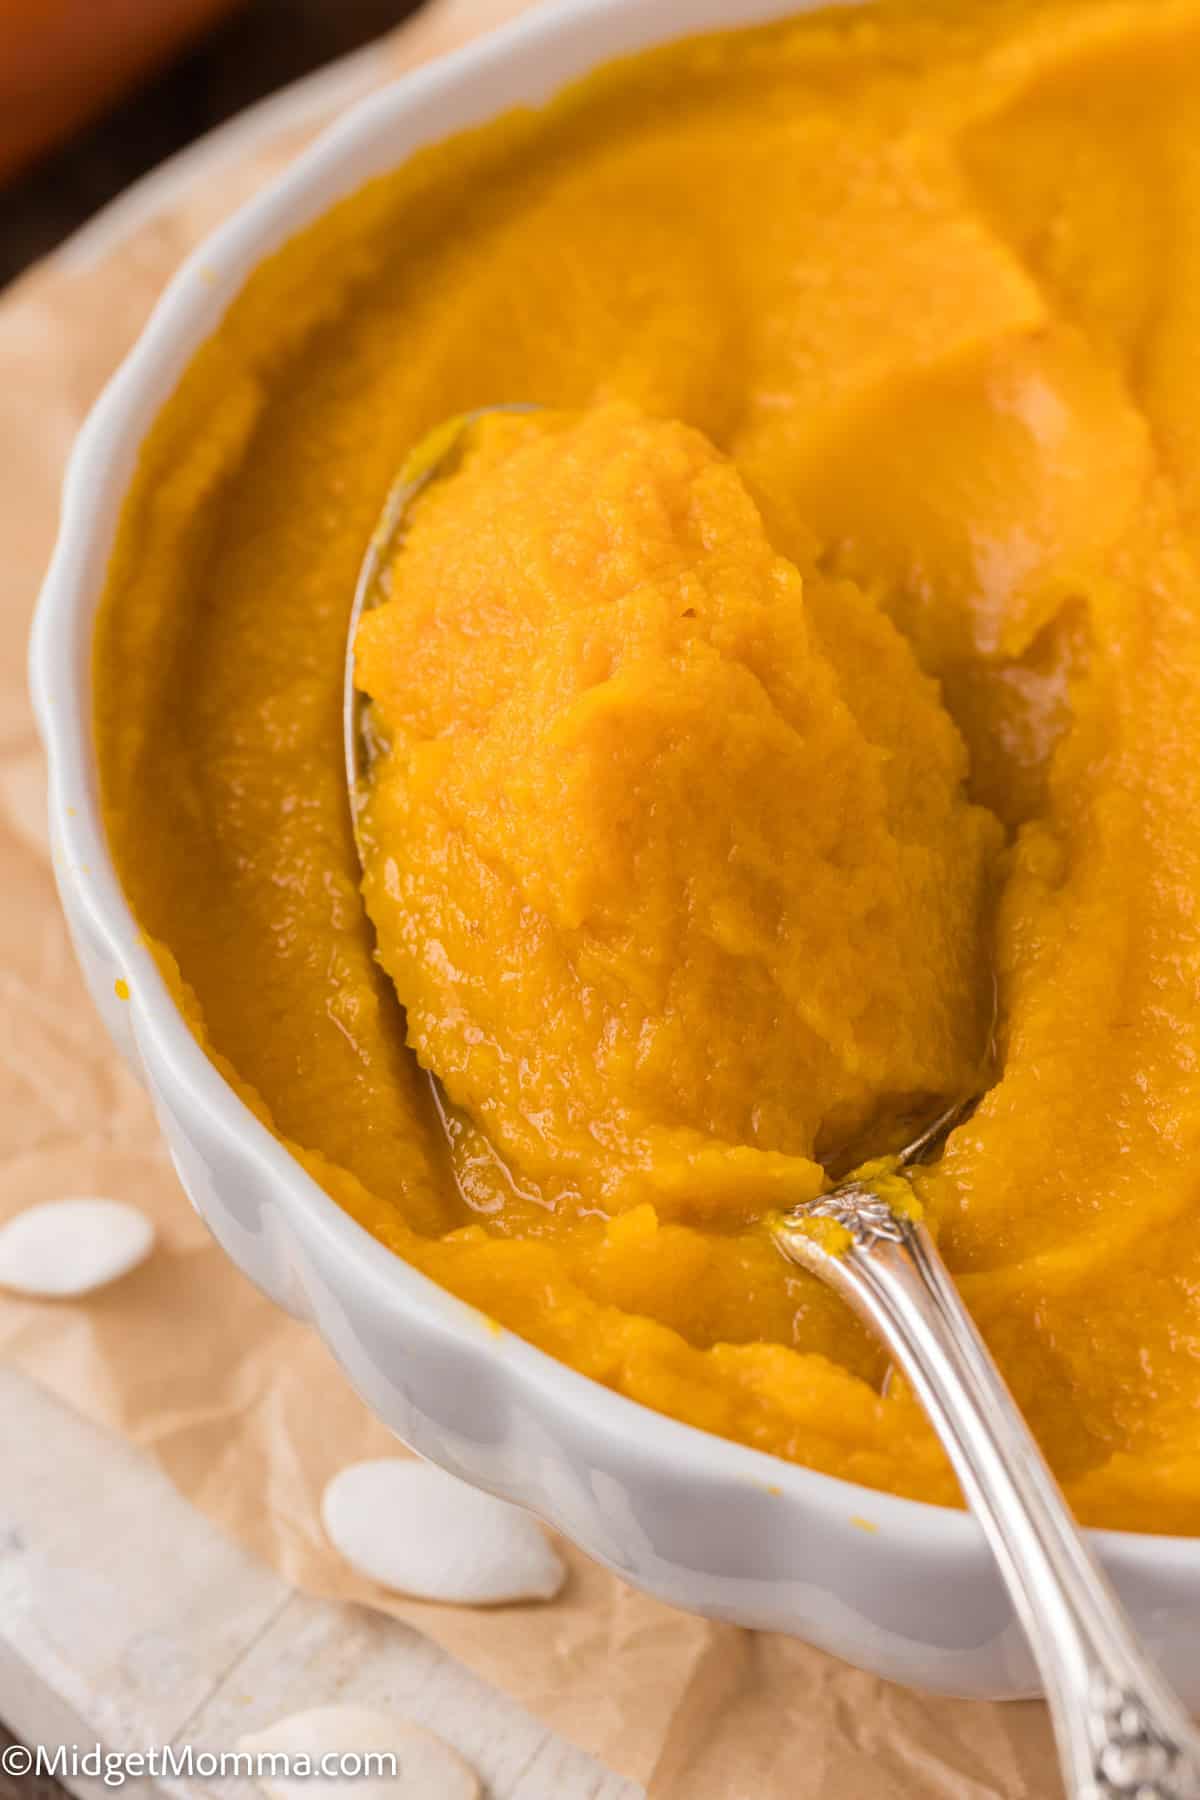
(905, 1589)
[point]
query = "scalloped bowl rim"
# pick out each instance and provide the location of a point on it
(97, 475)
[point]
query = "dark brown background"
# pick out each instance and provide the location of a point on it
(267, 44)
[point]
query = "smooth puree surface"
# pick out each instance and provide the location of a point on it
(837, 643)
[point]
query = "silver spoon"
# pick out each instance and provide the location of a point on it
(1122, 1733)
(432, 458)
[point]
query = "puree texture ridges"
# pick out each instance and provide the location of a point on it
(665, 912)
(929, 277)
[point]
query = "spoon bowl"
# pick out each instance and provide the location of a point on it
(432, 458)
(768, 1545)
(1120, 1730)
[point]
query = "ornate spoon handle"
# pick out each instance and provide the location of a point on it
(1121, 1731)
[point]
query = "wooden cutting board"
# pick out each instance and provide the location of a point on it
(126, 1619)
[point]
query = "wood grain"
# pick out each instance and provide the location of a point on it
(127, 1619)
(124, 1617)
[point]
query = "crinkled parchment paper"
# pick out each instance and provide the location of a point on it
(250, 1420)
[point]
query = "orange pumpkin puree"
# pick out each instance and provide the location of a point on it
(676, 884)
(828, 647)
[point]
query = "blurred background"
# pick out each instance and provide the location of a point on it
(93, 93)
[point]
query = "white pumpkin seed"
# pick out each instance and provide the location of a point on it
(426, 1768)
(61, 1249)
(415, 1529)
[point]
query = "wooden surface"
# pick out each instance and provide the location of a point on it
(14, 1787)
(267, 44)
(125, 1618)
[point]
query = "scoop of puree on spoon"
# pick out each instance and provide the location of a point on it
(1122, 1733)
